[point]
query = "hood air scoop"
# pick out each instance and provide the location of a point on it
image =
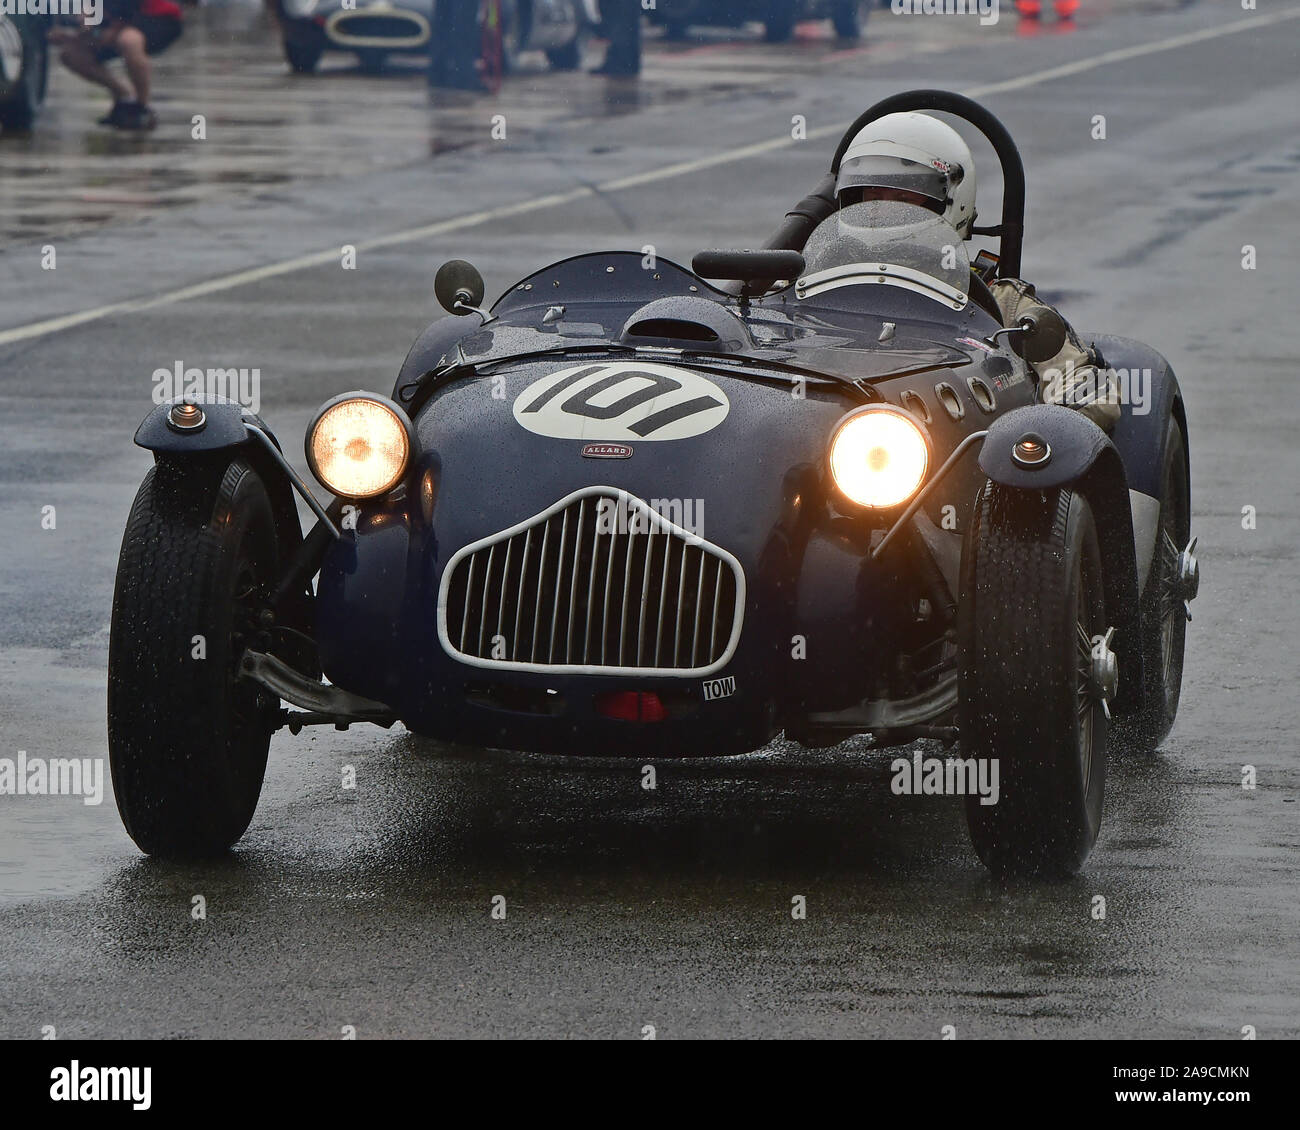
(683, 322)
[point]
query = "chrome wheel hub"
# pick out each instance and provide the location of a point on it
(1187, 577)
(1101, 681)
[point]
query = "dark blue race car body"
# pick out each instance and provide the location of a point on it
(821, 625)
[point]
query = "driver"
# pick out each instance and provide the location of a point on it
(916, 159)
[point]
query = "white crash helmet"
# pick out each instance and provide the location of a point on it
(912, 157)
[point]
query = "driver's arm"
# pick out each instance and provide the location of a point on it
(1077, 376)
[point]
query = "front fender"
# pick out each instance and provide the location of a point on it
(1083, 459)
(223, 427)
(1075, 444)
(226, 430)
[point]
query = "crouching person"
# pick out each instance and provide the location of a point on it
(132, 30)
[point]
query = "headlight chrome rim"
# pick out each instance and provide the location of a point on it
(401, 419)
(896, 500)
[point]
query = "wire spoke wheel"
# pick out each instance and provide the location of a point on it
(1163, 615)
(1088, 630)
(1172, 616)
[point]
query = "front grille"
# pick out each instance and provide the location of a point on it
(598, 582)
(386, 29)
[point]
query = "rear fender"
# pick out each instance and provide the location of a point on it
(1142, 432)
(1153, 396)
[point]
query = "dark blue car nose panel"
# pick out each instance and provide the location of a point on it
(743, 486)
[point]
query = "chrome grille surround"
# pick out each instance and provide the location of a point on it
(658, 601)
(379, 26)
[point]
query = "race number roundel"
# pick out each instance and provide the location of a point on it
(627, 401)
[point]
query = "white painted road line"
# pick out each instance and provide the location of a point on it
(473, 219)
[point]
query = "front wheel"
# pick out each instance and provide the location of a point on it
(187, 737)
(1035, 670)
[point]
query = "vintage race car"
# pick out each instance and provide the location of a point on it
(375, 29)
(629, 512)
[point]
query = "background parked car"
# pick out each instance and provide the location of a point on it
(24, 69)
(778, 16)
(375, 30)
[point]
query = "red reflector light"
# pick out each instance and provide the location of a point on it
(631, 706)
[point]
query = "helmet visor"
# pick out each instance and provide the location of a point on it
(875, 176)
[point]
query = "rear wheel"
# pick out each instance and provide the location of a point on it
(187, 738)
(1033, 610)
(1164, 618)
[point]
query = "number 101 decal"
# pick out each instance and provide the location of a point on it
(622, 402)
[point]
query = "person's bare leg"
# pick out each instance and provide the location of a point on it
(79, 57)
(130, 45)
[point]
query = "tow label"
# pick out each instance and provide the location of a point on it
(719, 688)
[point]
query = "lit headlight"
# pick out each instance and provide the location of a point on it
(879, 456)
(359, 445)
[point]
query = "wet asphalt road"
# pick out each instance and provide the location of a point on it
(370, 907)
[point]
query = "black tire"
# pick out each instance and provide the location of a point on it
(303, 49)
(1164, 620)
(1032, 584)
(187, 740)
(371, 60)
(18, 113)
(779, 23)
(847, 17)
